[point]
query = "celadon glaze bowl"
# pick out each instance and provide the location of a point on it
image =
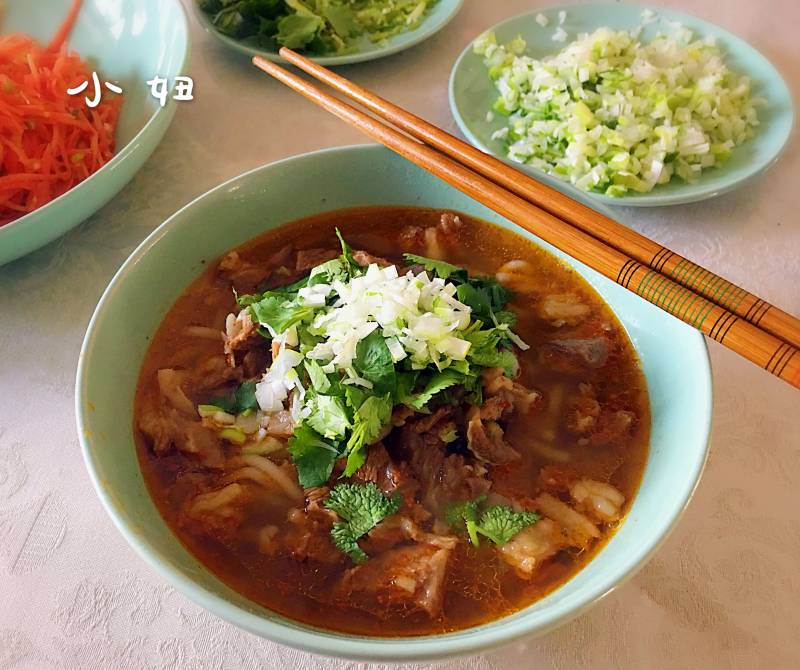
(437, 18)
(673, 356)
(126, 42)
(472, 94)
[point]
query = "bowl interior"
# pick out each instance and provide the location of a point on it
(119, 40)
(437, 18)
(157, 273)
(125, 42)
(472, 94)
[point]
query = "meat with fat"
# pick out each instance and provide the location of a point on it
(562, 309)
(486, 441)
(575, 355)
(410, 577)
(533, 545)
(165, 428)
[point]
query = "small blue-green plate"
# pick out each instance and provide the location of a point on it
(472, 94)
(439, 16)
(673, 356)
(126, 42)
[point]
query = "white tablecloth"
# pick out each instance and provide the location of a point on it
(723, 591)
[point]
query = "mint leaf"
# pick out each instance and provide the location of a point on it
(360, 507)
(500, 523)
(346, 540)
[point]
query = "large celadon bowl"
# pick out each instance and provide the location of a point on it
(126, 42)
(673, 356)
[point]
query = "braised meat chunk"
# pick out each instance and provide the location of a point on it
(410, 577)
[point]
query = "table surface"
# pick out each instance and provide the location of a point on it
(722, 592)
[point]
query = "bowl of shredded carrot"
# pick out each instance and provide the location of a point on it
(77, 116)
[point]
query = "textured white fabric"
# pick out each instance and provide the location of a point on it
(722, 592)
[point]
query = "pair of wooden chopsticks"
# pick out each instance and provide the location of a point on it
(723, 311)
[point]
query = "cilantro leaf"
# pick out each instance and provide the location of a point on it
(242, 399)
(328, 272)
(360, 507)
(370, 418)
(499, 523)
(328, 416)
(374, 362)
(313, 456)
(442, 269)
(465, 514)
(354, 395)
(484, 295)
(245, 397)
(289, 291)
(353, 268)
(438, 382)
(225, 403)
(486, 350)
(406, 381)
(279, 313)
(497, 294)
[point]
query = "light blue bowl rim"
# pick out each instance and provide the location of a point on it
(408, 40)
(132, 145)
(652, 199)
(327, 643)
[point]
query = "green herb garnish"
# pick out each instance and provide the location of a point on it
(360, 507)
(499, 523)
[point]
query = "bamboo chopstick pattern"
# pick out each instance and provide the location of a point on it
(760, 347)
(628, 241)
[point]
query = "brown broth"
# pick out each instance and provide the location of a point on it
(480, 587)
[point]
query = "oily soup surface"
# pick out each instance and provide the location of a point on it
(478, 586)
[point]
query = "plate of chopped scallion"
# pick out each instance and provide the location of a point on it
(634, 106)
(331, 32)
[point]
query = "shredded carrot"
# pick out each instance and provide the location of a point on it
(66, 27)
(49, 141)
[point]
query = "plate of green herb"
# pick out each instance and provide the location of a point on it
(331, 32)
